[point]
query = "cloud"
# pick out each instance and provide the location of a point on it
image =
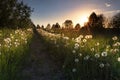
(111, 13)
(107, 4)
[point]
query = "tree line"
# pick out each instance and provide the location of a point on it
(14, 14)
(97, 23)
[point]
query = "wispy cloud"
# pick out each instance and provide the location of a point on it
(107, 4)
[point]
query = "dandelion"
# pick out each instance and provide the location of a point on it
(86, 57)
(80, 54)
(74, 70)
(84, 40)
(97, 44)
(97, 55)
(118, 59)
(114, 38)
(76, 60)
(66, 38)
(116, 44)
(76, 46)
(116, 50)
(92, 49)
(104, 54)
(101, 65)
(73, 51)
(108, 46)
(81, 36)
(78, 40)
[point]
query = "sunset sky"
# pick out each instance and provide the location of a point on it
(52, 11)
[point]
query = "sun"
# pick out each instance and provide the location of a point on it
(83, 20)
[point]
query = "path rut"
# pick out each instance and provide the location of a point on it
(40, 65)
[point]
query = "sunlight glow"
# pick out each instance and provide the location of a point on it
(83, 20)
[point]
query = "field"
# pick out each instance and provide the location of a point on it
(85, 57)
(81, 57)
(14, 48)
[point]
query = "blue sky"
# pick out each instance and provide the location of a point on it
(52, 11)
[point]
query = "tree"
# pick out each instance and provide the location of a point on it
(115, 22)
(68, 24)
(38, 26)
(77, 26)
(14, 13)
(96, 21)
(56, 26)
(48, 27)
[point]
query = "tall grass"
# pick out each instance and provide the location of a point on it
(14, 47)
(85, 57)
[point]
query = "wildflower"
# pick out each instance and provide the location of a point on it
(73, 51)
(97, 44)
(116, 50)
(81, 36)
(97, 55)
(115, 38)
(74, 70)
(78, 40)
(118, 59)
(92, 49)
(80, 54)
(104, 54)
(101, 65)
(84, 40)
(86, 57)
(66, 38)
(116, 44)
(76, 46)
(108, 46)
(76, 60)
(0, 45)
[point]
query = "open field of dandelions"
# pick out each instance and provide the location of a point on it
(85, 57)
(14, 45)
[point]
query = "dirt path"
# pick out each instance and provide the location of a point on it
(40, 65)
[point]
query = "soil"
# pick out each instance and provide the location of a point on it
(40, 65)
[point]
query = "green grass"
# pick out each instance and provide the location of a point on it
(14, 47)
(96, 58)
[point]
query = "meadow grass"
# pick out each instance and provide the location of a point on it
(85, 57)
(14, 48)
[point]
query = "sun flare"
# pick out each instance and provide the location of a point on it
(83, 20)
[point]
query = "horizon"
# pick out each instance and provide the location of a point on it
(51, 12)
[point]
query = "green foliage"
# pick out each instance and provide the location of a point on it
(14, 47)
(115, 22)
(85, 57)
(14, 14)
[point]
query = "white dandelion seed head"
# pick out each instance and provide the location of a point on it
(76, 60)
(74, 70)
(101, 65)
(114, 38)
(73, 51)
(97, 44)
(86, 57)
(84, 40)
(104, 54)
(97, 55)
(92, 49)
(80, 54)
(118, 59)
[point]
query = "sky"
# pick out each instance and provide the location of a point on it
(52, 11)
